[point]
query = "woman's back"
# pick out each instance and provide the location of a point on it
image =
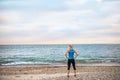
(71, 54)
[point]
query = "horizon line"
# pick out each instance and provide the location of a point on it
(58, 43)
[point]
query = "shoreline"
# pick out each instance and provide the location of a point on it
(62, 64)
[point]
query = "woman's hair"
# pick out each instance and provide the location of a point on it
(70, 45)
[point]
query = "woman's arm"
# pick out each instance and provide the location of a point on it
(76, 54)
(66, 54)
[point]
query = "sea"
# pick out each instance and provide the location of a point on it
(54, 54)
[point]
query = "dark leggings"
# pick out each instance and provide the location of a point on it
(73, 63)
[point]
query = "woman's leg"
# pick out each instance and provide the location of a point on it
(69, 63)
(74, 67)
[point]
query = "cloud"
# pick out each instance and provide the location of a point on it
(2, 20)
(75, 2)
(10, 17)
(98, 0)
(86, 23)
(58, 25)
(32, 5)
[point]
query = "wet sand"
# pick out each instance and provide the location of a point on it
(48, 72)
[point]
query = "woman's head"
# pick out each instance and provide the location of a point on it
(70, 46)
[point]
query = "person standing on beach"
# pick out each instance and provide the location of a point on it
(71, 59)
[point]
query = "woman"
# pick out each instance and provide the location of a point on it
(71, 59)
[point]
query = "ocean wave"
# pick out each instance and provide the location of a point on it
(25, 63)
(62, 61)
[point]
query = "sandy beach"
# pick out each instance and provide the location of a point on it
(50, 72)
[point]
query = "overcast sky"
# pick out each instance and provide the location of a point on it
(59, 21)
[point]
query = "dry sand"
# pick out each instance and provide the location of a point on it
(47, 72)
